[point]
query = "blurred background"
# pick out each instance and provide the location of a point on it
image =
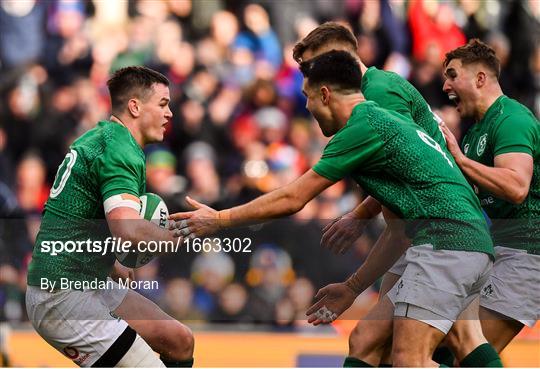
(240, 129)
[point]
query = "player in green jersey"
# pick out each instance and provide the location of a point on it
(392, 92)
(501, 158)
(96, 190)
(397, 162)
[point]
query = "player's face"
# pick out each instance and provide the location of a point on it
(155, 114)
(321, 111)
(460, 85)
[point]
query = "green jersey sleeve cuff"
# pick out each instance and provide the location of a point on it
(328, 171)
(118, 191)
(514, 148)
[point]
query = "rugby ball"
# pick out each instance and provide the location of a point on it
(153, 208)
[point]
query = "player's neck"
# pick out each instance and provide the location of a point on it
(344, 109)
(487, 101)
(130, 127)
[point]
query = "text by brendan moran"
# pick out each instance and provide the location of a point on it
(96, 284)
(109, 245)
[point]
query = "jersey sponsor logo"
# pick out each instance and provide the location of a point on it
(466, 148)
(487, 201)
(481, 144)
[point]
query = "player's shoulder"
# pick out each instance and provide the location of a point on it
(103, 133)
(510, 113)
(511, 107)
(107, 141)
(381, 85)
(117, 138)
(366, 110)
(373, 111)
(376, 76)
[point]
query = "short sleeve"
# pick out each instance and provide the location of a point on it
(120, 172)
(355, 148)
(518, 133)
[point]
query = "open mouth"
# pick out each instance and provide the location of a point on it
(454, 98)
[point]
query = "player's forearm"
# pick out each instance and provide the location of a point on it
(276, 204)
(386, 251)
(502, 182)
(367, 209)
(140, 231)
(284, 201)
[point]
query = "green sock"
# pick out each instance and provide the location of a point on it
(352, 362)
(443, 366)
(444, 356)
(483, 356)
(177, 363)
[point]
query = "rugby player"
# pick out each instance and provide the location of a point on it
(102, 177)
(501, 158)
(400, 165)
(391, 91)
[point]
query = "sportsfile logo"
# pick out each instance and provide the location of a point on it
(109, 245)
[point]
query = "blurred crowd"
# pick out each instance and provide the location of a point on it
(240, 127)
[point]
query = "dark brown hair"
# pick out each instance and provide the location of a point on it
(337, 68)
(130, 82)
(320, 36)
(475, 52)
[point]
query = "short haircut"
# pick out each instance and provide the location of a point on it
(336, 68)
(475, 52)
(322, 35)
(132, 82)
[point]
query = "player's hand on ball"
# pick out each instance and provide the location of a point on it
(202, 221)
(340, 235)
(332, 301)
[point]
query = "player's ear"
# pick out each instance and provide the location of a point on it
(133, 107)
(481, 79)
(325, 95)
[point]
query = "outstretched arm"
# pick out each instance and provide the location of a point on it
(284, 201)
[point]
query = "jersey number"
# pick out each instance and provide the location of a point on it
(63, 173)
(432, 143)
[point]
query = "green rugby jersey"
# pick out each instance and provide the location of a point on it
(508, 127)
(400, 165)
(103, 162)
(393, 92)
